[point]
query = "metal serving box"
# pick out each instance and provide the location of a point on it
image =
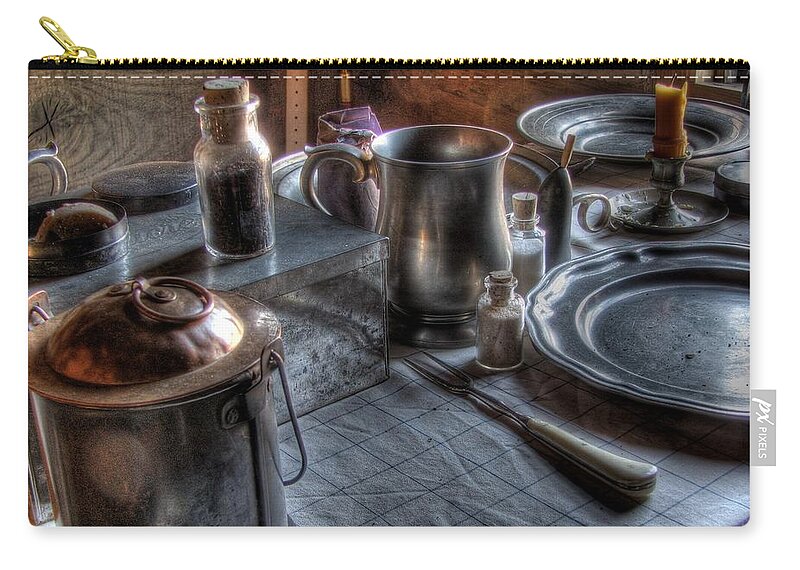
(325, 280)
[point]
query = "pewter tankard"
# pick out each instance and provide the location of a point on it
(441, 205)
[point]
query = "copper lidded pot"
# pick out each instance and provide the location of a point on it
(153, 406)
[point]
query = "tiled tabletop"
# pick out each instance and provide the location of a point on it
(408, 453)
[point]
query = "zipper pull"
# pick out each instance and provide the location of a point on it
(72, 52)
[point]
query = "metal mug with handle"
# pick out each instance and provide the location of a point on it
(556, 200)
(441, 205)
(48, 156)
(584, 201)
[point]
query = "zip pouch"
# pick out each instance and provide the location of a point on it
(534, 313)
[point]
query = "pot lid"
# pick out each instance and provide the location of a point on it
(148, 341)
(142, 331)
(148, 186)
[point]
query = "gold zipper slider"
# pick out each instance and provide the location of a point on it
(72, 52)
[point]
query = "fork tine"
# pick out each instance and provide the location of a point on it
(450, 368)
(428, 374)
(417, 367)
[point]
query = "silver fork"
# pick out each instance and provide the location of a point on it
(632, 478)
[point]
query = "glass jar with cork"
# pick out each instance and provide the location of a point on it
(501, 323)
(233, 165)
(527, 242)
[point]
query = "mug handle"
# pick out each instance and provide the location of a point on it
(360, 160)
(47, 156)
(584, 202)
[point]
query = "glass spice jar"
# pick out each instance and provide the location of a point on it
(501, 323)
(527, 242)
(233, 165)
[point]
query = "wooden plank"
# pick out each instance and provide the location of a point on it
(297, 124)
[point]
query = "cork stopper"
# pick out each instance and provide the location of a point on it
(523, 205)
(501, 276)
(226, 91)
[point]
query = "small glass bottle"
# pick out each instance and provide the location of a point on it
(527, 242)
(501, 323)
(233, 165)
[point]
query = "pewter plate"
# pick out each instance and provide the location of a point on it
(621, 127)
(524, 171)
(286, 177)
(666, 323)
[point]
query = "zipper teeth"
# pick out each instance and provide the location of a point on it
(451, 63)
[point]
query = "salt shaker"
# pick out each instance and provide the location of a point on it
(527, 242)
(501, 322)
(233, 165)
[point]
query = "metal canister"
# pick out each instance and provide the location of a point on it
(732, 185)
(153, 406)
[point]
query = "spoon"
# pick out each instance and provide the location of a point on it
(632, 478)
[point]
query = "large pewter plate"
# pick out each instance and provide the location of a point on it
(666, 323)
(620, 127)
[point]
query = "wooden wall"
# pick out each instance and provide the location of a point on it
(114, 118)
(127, 117)
(494, 101)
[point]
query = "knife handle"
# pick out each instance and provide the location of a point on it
(633, 478)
